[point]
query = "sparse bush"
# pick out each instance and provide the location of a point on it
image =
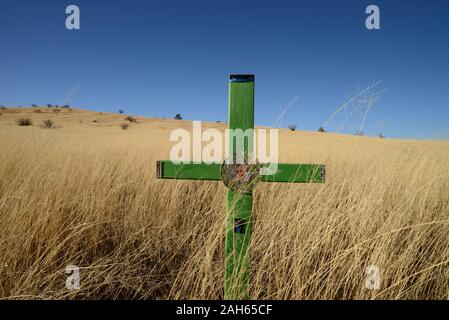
(24, 122)
(321, 129)
(37, 111)
(95, 121)
(130, 119)
(34, 105)
(125, 126)
(292, 127)
(48, 124)
(49, 105)
(66, 106)
(57, 111)
(381, 136)
(2, 107)
(178, 116)
(121, 111)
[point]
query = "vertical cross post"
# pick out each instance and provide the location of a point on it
(239, 204)
(239, 178)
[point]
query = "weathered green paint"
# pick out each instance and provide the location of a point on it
(241, 113)
(297, 173)
(237, 262)
(188, 171)
(239, 204)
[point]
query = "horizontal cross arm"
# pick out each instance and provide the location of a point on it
(188, 171)
(297, 173)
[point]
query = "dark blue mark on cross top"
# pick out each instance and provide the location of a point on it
(241, 78)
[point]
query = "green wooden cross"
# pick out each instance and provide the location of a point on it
(239, 194)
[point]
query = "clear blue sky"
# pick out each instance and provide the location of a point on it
(159, 58)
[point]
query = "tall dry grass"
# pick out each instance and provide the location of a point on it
(88, 196)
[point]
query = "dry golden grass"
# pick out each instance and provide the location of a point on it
(86, 194)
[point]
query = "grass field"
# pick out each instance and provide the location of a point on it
(85, 193)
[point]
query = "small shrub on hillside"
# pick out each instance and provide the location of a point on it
(125, 126)
(121, 111)
(321, 129)
(34, 105)
(24, 122)
(178, 116)
(37, 111)
(130, 119)
(292, 127)
(48, 124)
